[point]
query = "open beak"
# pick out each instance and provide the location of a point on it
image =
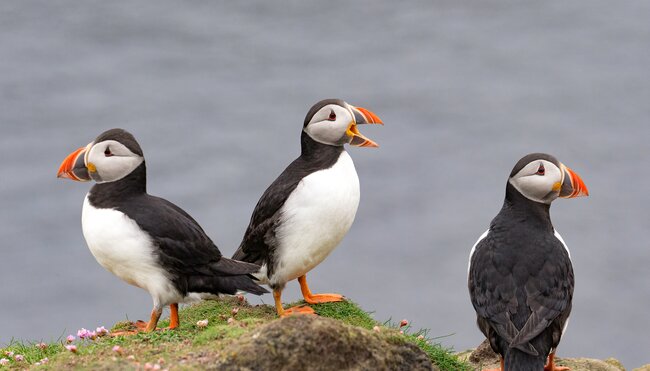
(362, 116)
(74, 166)
(572, 184)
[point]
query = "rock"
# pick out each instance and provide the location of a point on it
(643, 368)
(484, 358)
(317, 343)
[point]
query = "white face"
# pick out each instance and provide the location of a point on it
(539, 181)
(110, 160)
(329, 125)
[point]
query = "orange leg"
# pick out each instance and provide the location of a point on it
(173, 316)
(142, 326)
(153, 321)
(277, 296)
(550, 366)
(316, 298)
(497, 369)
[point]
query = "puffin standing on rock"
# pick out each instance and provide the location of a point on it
(520, 275)
(145, 240)
(308, 209)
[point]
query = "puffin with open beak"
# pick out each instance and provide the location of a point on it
(147, 241)
(520, 275)
(305, 213)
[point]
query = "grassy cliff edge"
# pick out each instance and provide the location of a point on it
(198, 344)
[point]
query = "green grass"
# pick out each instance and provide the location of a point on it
(190, 346)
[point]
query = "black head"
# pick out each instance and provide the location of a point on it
(113, 155)
(540, 177)
(334, 122)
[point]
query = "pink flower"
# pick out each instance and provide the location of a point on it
(84, 334)
(69, 339)
(376, 329)
(420, 337)
(101, 331)
(42, 345)
(234, 311)
(19, 357)
(4, 361)
(401, 332)
(231, 321)
(202, 323)
(44, 360)
(403, 323)
(9, 354)
(240, 297)
(117, 349)
(71, 348)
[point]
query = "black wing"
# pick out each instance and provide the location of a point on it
(259, 240)
(186, 251)
(520, 291)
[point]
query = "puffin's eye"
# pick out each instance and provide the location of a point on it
(107, 152)
(540, 170)
(332, 116)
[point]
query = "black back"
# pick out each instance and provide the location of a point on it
(260, 242)
(183, 249)
(521, 279)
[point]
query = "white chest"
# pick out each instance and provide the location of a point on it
(315, 218)
(122, 248)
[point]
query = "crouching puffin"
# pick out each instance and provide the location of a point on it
(145, 240)
(520, 275)
(304, 214)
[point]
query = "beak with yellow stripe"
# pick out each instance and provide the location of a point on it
(74, 167)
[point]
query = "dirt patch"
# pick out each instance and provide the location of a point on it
(317, 343)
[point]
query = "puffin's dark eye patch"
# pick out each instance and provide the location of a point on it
(107, 152)
(332, 116)
(541, 170)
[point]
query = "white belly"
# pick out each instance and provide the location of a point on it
(121, 247)
(315, 218)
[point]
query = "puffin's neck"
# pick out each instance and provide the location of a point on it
(131, 185)
(312, 150)
(520, 207)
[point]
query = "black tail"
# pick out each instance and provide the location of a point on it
(516, 360)
(224, 284)
(229, 276)
(229, 267)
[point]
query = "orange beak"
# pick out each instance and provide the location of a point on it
(362, 116)
(74, 167)
(572, 185)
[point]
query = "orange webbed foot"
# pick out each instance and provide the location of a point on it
(323, 298)
(555, 368)
(550, 365)
(299, 310)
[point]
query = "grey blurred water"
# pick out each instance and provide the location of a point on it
(216, 93)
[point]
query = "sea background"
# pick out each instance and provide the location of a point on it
(216, 93)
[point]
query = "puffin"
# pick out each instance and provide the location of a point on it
(520, 275)
(305, 213)
(145, 240)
